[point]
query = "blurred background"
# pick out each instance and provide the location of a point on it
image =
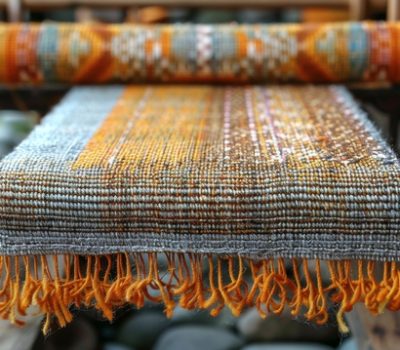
(21, 109)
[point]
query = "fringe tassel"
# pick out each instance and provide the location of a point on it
(193, 281)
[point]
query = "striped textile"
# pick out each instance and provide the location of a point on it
(256, 171)
(247, 180)
(94, 53)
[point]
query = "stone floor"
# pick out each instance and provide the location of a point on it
(149, 329)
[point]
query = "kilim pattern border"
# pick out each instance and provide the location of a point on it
(95, 53)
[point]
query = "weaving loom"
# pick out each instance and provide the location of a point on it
(246, 179)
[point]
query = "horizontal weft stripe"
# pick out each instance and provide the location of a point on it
(377, 247)
(98, 53)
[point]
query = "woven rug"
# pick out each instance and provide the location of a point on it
(248, 180)
(94, 53)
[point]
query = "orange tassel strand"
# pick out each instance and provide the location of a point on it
(107, 282)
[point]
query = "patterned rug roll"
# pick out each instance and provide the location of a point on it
(93, 53)
(233, 184)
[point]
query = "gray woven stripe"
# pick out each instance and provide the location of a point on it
(90, 105)
(323, 246)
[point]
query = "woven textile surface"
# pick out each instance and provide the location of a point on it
(94, 53)
(250, 176)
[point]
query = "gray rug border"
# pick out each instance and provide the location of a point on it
(378, 247)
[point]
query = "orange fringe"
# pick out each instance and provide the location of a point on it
(193, 281)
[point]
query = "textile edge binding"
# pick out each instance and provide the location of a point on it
(334, 246)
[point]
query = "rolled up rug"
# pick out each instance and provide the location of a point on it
(238, 186)
(95, 53)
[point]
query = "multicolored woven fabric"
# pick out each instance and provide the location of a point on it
(247, 176)
(93, 53)
(141, 168)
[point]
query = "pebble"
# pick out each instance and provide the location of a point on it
(348, 344)
(115, 346)
(283, 327)
(142, 329)
(287, 346)
(183, 316)
(78, 335)
(14, 127)
(19, 338)
(197, 337)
